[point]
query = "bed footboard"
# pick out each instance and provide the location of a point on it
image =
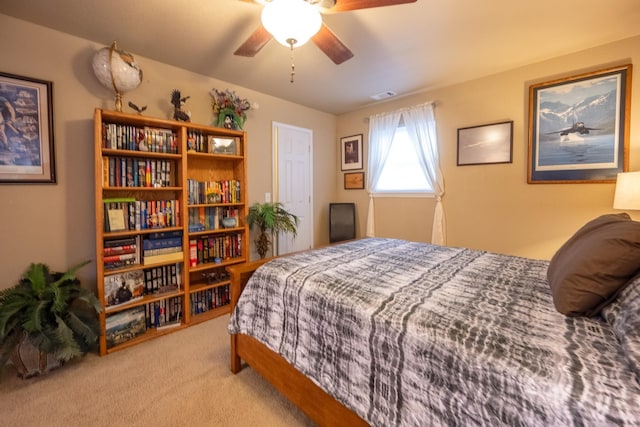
(239, 275)
(300, 390)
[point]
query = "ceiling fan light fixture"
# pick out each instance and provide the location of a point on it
(291, 22)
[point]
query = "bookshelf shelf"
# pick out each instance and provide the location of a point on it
(212, 314)
(153, 181)
(207, 266)
(149, 189)
(142, 154)
(196, 287)
(151, 298)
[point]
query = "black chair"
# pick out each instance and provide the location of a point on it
(342, 221)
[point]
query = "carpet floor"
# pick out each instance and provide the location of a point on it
(181, 379)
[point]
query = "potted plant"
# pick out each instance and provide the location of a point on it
(51, 313)
(270, 218)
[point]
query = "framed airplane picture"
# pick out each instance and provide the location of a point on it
(579, 127)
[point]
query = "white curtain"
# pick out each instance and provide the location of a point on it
(421, 127)
(382, 128)
(420, 123)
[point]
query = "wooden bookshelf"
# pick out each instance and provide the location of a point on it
(151, 181)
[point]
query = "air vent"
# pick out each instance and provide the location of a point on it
(384, 95)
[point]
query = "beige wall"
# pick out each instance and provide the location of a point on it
(488, 207)
(55, 223)
(492, 207)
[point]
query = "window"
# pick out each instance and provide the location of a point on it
(402, 172)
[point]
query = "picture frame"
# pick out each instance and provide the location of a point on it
(354, 181)
(351, 152)
(579, 127)
(220, 145)
(485, 144)
(27, 153)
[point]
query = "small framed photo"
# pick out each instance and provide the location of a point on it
(219, 145)
(26, 130)
(354, 181)
(351, 149)
(579, 127)
(486, 144)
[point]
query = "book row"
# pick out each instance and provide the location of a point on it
(132, 172)
(214, 249)
(127, 137)
(126, 287)
(226, 191)
(209, 217)
(208, 299)
(128, 324)
(120, 253)
(163, 313)
(130, 214)
(150, 249)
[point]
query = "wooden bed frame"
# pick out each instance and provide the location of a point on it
(300, 390)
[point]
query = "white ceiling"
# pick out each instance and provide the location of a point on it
(405, 48)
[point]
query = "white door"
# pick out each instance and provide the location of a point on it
(292, 148)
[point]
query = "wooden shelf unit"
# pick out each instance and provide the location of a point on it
(202, 282)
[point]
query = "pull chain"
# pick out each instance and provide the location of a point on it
(293, 67)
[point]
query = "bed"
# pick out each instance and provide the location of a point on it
(387, 332)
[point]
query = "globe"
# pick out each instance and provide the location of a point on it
(116, 70)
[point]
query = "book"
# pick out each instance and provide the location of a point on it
(169, 325)
(119, 242)
(155, 259)
(119, 250)
(120, 257)
(115, 265)
(122, 288)
(116, 219)
(125, 325)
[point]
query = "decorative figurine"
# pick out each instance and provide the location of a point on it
(229, 110)
(178, 103)
(139, 110)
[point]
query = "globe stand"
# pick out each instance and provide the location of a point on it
(116, 70)
(118, 102)
(113, 79)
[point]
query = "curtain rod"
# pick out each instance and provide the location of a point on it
(399, 110)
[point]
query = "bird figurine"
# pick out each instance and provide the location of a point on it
(178, 103)
(139, 110)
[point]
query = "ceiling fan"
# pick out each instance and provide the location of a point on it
(294, 30)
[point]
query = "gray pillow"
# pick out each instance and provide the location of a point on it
(594, 264)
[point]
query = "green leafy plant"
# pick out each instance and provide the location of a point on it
(270, 218)
(58, 315)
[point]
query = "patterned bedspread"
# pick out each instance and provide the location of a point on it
(413, 334)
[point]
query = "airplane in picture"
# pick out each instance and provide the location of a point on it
(578, 127)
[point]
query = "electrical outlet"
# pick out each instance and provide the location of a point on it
(267, 197)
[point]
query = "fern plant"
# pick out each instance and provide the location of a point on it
(270, 218)
(58, 315)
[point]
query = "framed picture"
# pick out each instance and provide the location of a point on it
(354, 181)
(579, 127)
(26, 130)
(485, 144)
(218, 145)
(351, 149)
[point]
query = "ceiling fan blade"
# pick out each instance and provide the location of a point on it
(254, 43)
(331, 45)
(345, 5)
